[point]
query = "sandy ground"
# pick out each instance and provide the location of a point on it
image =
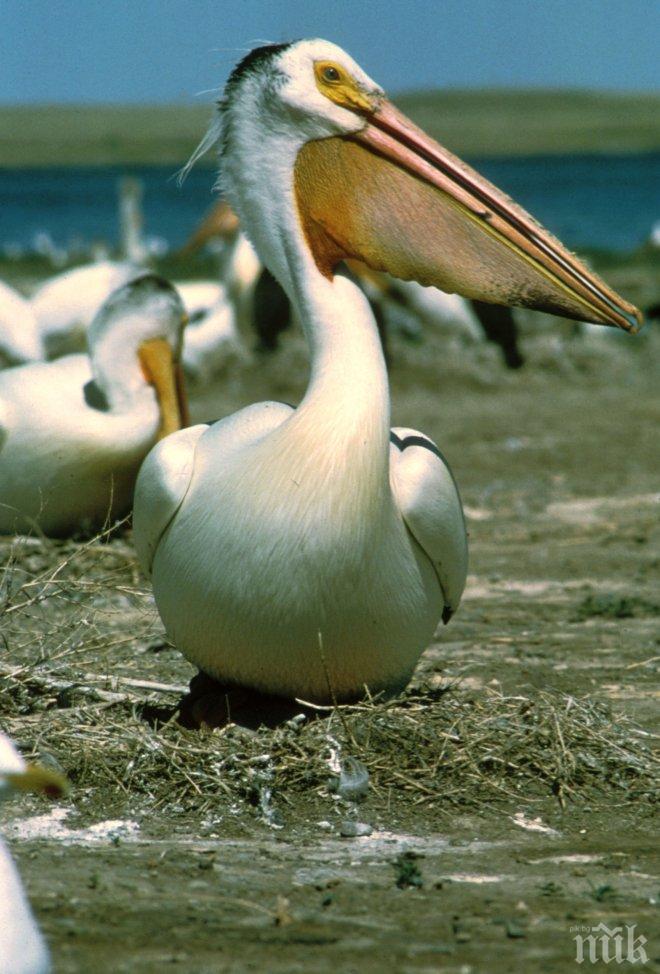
(179, 850)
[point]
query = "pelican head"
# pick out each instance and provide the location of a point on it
(135, 343)
(304, 119)
(312, 88)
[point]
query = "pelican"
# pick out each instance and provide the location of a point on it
(473, 320)
(65, 304)
(22, 949)
(211, 338)
(240, 271)
(240, 267)
(199, 296)
(20, 337)
(437, 310)
(73, 432)
(310, 552)
(219, 223)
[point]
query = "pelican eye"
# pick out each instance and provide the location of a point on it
(331, 74)
(339, 86)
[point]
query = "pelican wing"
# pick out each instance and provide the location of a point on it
(428, 499)
(161, 486)
(166, 473)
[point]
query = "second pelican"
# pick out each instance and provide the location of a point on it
(73, 432)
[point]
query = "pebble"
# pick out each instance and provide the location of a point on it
(352, 830)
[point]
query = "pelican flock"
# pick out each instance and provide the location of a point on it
(310, 552)
(74, 432)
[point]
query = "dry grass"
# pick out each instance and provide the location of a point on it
(453, 748)
(90, 683)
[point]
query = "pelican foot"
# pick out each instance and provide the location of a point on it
(210, 703)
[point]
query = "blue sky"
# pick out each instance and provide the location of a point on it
(171, 50)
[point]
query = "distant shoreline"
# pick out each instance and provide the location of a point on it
(470, 122)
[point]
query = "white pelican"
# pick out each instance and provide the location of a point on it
(437, 310)
(311, 552)
(211, 337)
(220, 223)
(22, 949)
(20, 338)
(472, 320)
(211, 340)
(240, 267)
(73, 432)
(199, 296)
(240, 272)
(65, 304)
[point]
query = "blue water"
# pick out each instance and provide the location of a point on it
(608, 202)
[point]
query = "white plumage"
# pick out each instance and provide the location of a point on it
(55, 322)
(199, 296)
(437, 310)
(65, 305)
(20, 335)
(211, 336)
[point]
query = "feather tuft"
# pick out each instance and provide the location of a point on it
(211, 137)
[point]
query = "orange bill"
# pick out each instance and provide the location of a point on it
(166, 376)
(37, 779)
(399, 201)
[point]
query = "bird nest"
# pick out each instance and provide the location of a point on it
(88, 681)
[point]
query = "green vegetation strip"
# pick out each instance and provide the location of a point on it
(471, 122)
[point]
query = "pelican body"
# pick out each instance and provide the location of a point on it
(74, 432)
(311, 552)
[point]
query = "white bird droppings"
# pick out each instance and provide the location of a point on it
(532, 824)
(52, 826)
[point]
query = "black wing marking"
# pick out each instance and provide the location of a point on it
(418, 440)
